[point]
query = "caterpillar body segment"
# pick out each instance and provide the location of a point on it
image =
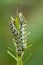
(16, 37)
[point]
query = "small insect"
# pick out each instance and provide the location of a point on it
(23, 30)
(16, 36)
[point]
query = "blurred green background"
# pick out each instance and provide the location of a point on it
(33, 11)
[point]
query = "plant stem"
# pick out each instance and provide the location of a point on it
(19, 61)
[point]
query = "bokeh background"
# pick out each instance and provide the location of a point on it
(33, 12)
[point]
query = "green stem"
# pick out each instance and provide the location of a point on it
(19, 61)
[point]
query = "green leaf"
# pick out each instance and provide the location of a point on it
(17, 23)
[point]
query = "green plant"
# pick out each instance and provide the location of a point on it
(18, 28)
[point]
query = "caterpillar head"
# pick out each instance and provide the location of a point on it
(21, 17)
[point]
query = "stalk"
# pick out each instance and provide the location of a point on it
(19, 61)
(19, 31)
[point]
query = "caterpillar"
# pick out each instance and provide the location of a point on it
(16, 37)
(23, 30)
(13, 29)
